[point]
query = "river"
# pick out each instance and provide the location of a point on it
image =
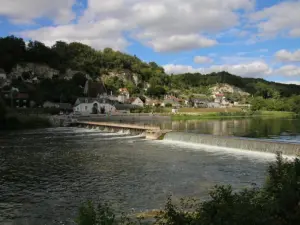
(46, 174)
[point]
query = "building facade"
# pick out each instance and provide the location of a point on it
(94, 106)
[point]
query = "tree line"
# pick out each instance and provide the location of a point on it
(80, 57)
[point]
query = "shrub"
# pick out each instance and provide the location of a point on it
(277, 202)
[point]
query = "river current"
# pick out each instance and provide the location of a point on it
(46, 174)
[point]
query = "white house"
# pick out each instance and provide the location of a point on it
(94, 106)
(136, 101)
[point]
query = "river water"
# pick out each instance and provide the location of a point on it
(46, 174)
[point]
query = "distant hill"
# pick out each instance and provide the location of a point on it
(253, 86)
(61, 62)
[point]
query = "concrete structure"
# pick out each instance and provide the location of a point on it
(150, 132)
(235, 143)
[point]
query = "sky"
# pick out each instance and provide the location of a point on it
(249, 38)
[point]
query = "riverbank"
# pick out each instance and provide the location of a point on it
(21, 122)
(231, 115)
(276, 200)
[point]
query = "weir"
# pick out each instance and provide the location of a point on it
(151, 132)
(235, 142)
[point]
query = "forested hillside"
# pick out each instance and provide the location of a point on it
(100, 64)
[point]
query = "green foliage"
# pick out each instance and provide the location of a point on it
(280, 104)
(156, 91)
(168, 105)
(79, 79)
(12, 51)
(2, 113)
(276, 202)
(257, 87)
(17, 122)
(81, 57)
(2, 109)
(233, 97)
(91, 215)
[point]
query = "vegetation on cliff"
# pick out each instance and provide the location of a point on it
(276, 202)
(112, 67)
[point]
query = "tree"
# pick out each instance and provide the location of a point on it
(12, 51)
(257, 103)
(2, 110)
(79, 79)
(156, 91)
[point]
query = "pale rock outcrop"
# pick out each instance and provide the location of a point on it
(35, 70)
(226, 88)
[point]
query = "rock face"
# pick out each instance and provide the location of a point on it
(124, 76)
(226, 88)
(34, 70)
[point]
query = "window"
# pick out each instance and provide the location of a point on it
(85, 108)
(86, 100)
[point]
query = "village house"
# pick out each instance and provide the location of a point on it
(93, 89)
(87, 106)
(153, 102)
(16, 99)
(135, 101)
(123, 95)
(2, 74)
(220, 98)
(172, 100)
(199, 102)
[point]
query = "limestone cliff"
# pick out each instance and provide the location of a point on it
(226, 88)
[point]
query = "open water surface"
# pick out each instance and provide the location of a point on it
(46, 174)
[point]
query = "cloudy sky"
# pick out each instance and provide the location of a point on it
(250, 38)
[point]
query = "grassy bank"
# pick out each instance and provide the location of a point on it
(228, 115)
(19, 122)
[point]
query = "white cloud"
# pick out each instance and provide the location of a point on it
(253, 69)
(25, 11)
(278, 19)
(290, 82)
(178, 69)
(180, 43)
(202, 59)
(286, 56)
(165, 25)
(105, 33)
(289, 71)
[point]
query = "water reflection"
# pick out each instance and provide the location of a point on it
(254, 127)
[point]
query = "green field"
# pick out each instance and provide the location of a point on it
(198, 114)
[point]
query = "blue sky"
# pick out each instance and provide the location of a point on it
(245, 37)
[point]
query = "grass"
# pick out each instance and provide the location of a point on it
(208, 110)
(233, 113)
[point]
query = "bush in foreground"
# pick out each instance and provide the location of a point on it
(277, 202)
